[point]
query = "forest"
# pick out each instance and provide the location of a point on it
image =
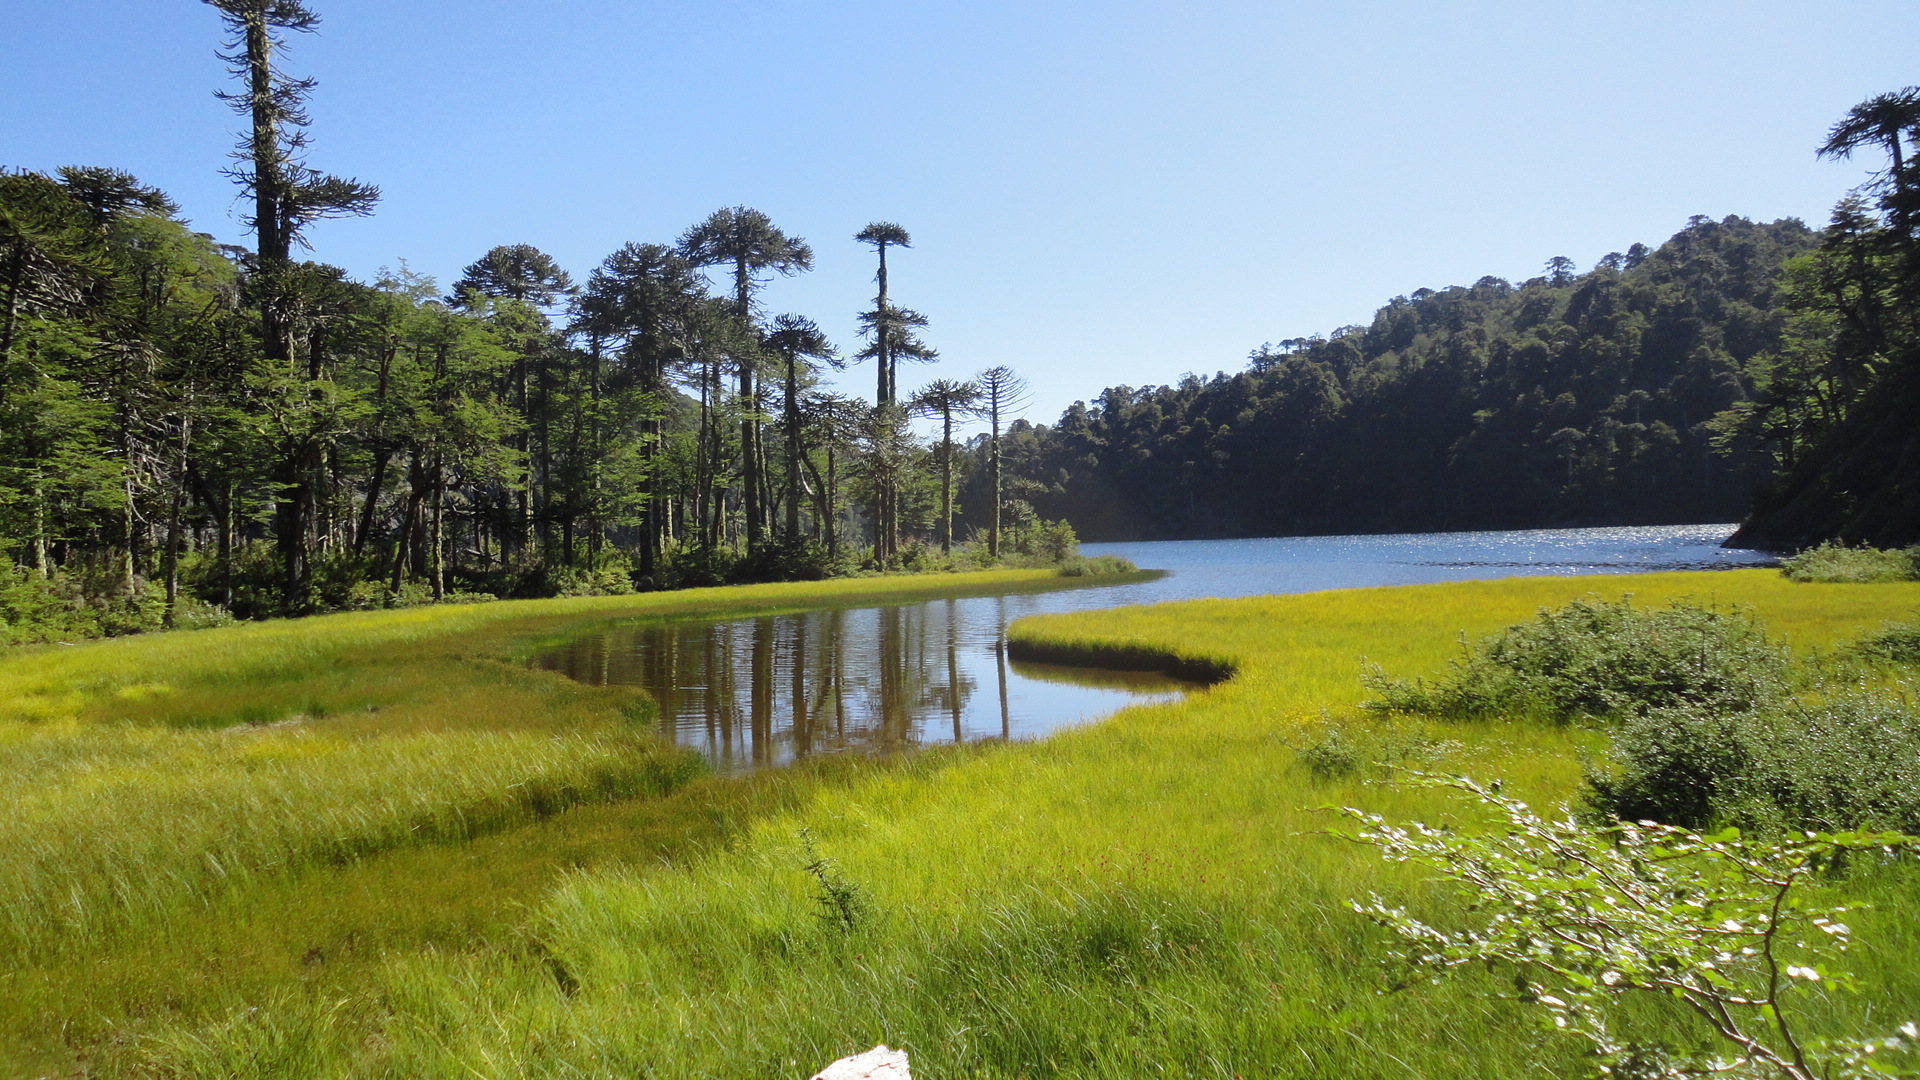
(1736, 361)
(192, 431)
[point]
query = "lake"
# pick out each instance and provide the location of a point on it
(753, 693)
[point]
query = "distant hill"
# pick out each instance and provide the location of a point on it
(1568, 399)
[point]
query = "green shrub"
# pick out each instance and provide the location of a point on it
(1096, 565)
(1600, 659)
(1331, 750)
(1838, 564)
(1852, 761)
(1897, 643)
(1587, 919)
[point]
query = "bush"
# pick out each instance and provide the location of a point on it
(1334, 751)
(1897, 643)
(1600, 659)
(1852, 761)
(1838, 564)
(1587, 918)
(87, 600)
(1096, 565)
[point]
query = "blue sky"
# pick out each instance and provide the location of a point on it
(1099, 193)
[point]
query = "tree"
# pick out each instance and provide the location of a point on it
(1002, 393)
(946, 399)
(746, 240)
(793, 338)
(287, 196)
(529, 281)
(517, 272)
(1882, 120)
(882, 234)
(836, 422)
(640, 302)
(890, 333)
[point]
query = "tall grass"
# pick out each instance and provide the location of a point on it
(1149, 895)
(162, 781)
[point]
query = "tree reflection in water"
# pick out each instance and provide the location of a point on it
(767, 691)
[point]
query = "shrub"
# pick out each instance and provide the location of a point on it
(1096, 565)
(1586, 918)
(1839, 564)
(1897, 643)
(1851, 761)
(1601, 659)
(1333, 751)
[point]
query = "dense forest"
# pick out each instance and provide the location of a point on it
(192, 431)
(1567, 399)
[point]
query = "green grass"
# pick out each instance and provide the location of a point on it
(1153, 894)
(166, 790)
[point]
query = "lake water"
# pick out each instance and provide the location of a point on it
(752, 693)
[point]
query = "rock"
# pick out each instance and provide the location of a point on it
(878, 1063)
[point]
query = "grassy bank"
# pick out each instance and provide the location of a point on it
(1148, 895)
(197, 817)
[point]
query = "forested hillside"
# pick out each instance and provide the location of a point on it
(1568, 399)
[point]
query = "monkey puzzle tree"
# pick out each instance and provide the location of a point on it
(882, 234)
(639, 302)
(793, 338)
(1002, 392)
(530, 281)
(746, 240)
(946, 399)
(287, 197)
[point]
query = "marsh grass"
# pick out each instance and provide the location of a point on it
(1152, 894)
(168, 781)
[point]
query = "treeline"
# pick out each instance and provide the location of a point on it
(1567, 399)
(190, 430)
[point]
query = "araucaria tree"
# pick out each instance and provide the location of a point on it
(746, 240)
(891, 336)
(882, 234)
(795, 339)
(1002, 393)
(287, 196)
(946, 399)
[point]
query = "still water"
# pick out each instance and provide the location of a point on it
(752, 693)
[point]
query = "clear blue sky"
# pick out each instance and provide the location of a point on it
(1099, 193)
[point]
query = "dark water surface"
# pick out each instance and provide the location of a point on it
(751, 693)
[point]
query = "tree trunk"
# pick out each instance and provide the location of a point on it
(438, 554)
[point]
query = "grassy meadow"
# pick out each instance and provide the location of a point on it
(185, 808)
(294, 850)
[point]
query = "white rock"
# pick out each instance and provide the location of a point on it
(878, 1063)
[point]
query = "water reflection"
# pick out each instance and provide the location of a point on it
(761, 692)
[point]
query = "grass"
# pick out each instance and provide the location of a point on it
(1150, 894)
(182, 807)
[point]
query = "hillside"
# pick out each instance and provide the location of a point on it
(1568, 399)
